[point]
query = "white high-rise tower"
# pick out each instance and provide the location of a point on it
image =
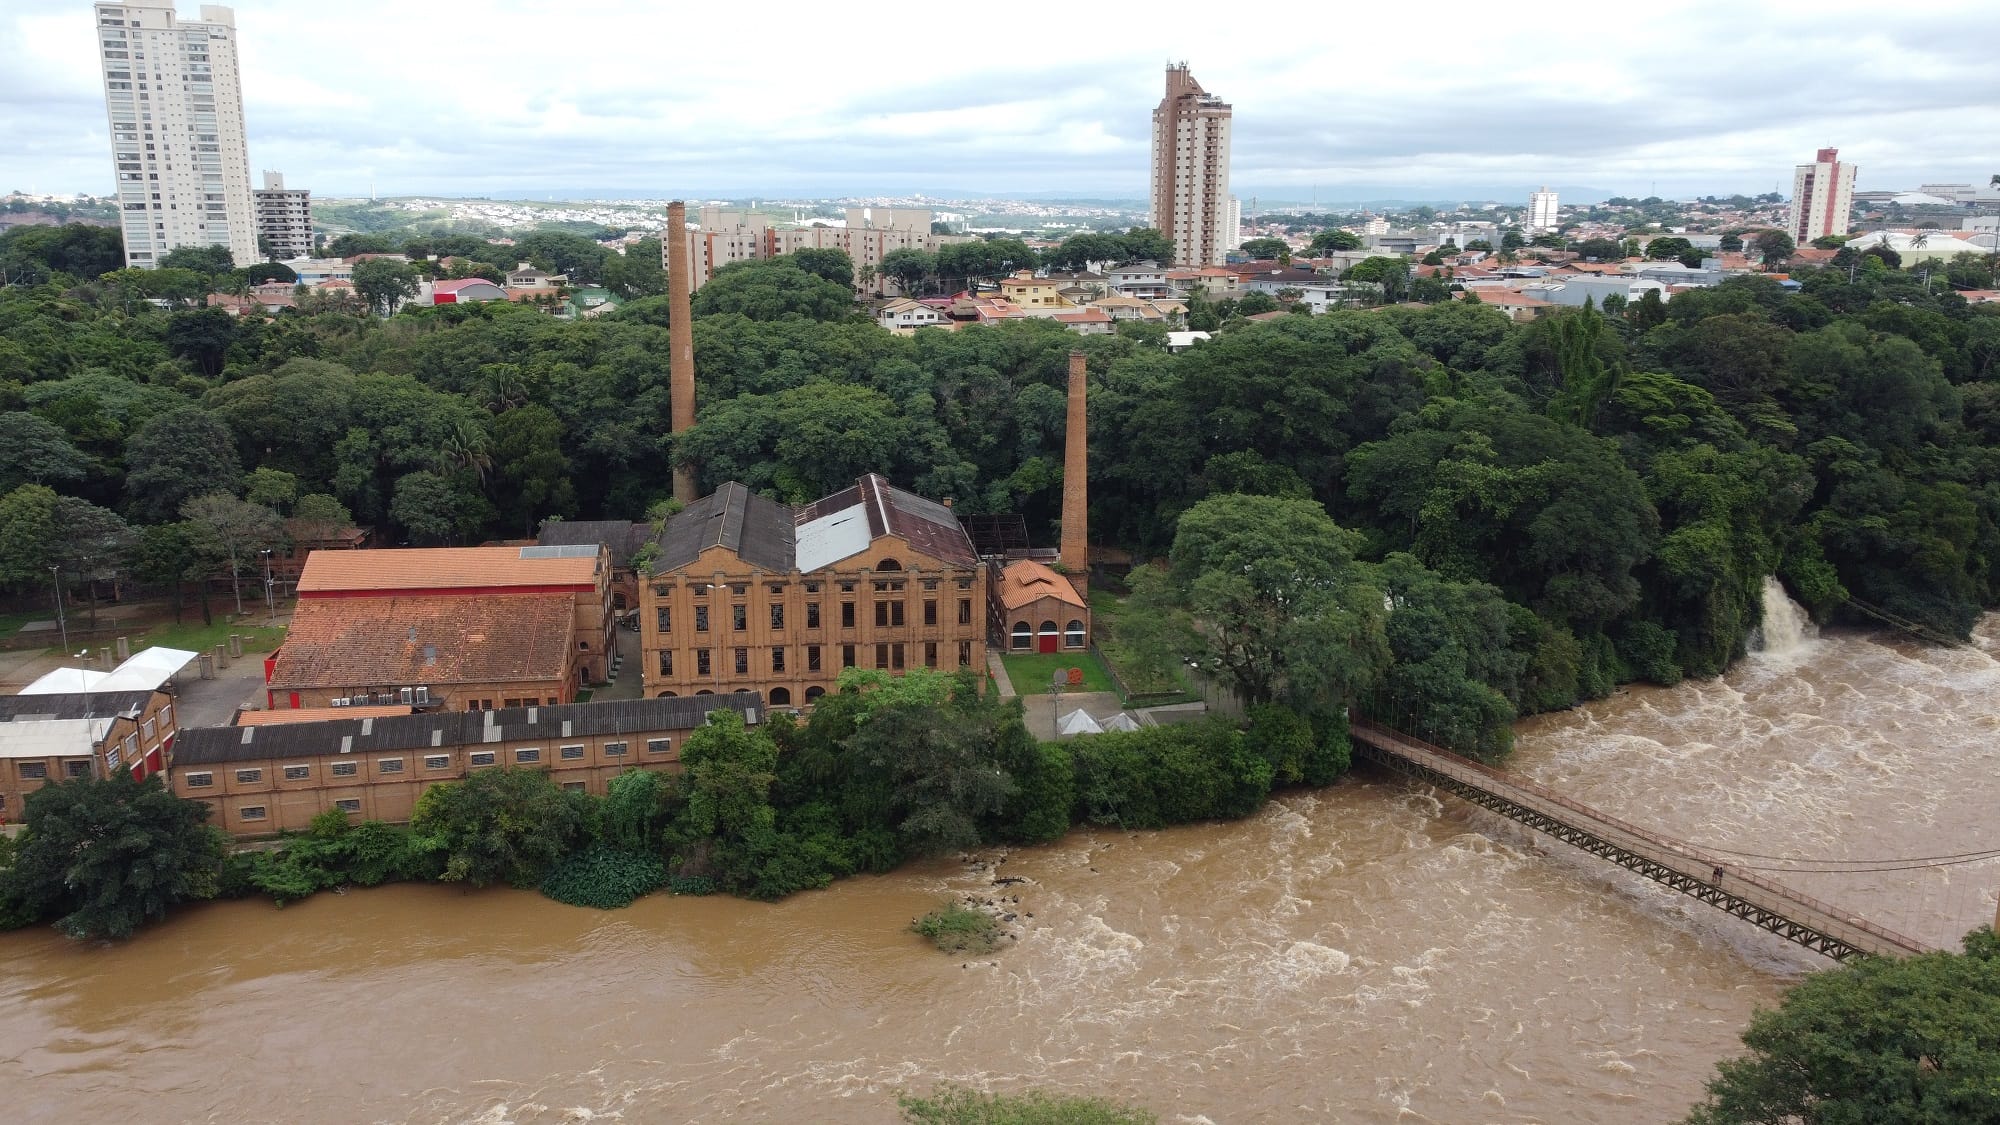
(1822, 196)
(1542, 210)
(174, 98)
(1191, 203)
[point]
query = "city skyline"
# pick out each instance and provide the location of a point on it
(1677, 102)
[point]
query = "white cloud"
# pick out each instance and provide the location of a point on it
(789, 96)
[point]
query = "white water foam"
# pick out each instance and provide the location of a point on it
(1787, 627)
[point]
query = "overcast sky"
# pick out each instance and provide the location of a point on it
(1423, 100)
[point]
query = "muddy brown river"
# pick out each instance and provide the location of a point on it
(1367, 953)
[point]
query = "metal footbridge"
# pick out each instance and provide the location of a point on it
(1676, 863)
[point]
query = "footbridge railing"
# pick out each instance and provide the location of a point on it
(1674, 863)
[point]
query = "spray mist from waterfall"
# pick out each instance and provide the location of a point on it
(1786, 627)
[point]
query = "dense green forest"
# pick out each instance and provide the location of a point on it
(1536, 511)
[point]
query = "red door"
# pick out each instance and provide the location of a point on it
(1048, 643)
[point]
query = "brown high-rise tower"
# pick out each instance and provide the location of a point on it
(680, 340)
(1191, 201)
(1076, 482)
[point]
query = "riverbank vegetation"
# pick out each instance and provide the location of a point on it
(957, 928)
(1546, 508)
(1915, 1040)
(885, 770)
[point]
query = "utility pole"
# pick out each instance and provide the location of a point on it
(62, 623)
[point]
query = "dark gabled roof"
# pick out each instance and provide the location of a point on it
(757, 530)
(925, 525)
(449, 729)
(73, 705)
(623, 537)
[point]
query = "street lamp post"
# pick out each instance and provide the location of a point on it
(270, 606)
(62, 623)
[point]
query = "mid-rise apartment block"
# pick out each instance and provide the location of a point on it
(284, 218)
(174, 99)
(868, 235)
(1190, 190)
(1822, 197)
(1542, 211)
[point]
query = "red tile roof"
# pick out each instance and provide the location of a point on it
(314, 714)
(1028, 581)
(398, 641)
(414, 569)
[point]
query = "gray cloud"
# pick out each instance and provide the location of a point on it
(1702, 97)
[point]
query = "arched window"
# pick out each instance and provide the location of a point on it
(1073, 635)
(704, 691)
(668, 695)
(1048, 629)
(813, 693)
(888, 564)
(781, 697)
(1023, 636)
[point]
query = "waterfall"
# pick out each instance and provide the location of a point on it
(1786, 626)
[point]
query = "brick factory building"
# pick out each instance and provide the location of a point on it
(274, 776)
(747, 593)
(461, 628)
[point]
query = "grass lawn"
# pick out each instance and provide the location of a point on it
(1108, 613)
(192, 634)
(1033, 672)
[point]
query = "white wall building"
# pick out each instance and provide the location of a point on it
(174, 99)
(1822, 197)
(1190, 186)
(1542, 211)
(284, 217)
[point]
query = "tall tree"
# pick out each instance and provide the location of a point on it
(103, 857)
(1915, 1039)
(384, 283)
(35, 451)
(178, 455)
(832, 264)
(1281, 612)
(531, 475)
(233, 530)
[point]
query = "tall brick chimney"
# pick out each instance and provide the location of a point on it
(680, 338)
(1076, 482)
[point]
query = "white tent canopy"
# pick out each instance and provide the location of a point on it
(1080, 722)
(143, 671)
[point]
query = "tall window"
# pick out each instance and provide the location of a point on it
(882, 657)
(777, 658)
(896, 612)
(739, 617)
(896, 656)
(701, 619)
(847, 615)
(965, 654)
(812, 615)
(666, 662)
(930, 611)
(777, 616)
(930, 654)
(742, 661)
(847, 656)
(965, 611)
(665, 616)
(812, 658)
(701, 665)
